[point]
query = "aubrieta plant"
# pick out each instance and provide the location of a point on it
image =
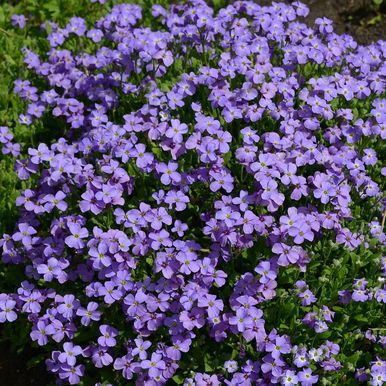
(208, 208)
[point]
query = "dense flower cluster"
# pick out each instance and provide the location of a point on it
(202, 160)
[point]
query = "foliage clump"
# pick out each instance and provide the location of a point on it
(201, 197)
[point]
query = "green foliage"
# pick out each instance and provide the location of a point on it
(377, 3)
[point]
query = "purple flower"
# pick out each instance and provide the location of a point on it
(18, 21)
(359, 295)
(307, 378)
(266, 272)
(70, 353)
(52, 269)
(179, 228)
(289, 378)
(67, 306)
(41, 331)
(176, 199)
(224, 181)
(231, 366)
(71, 373)
(168, 173)
(90, 202)
(89, 314)
(77, 234)
(109, 292)
(307, 297)
(279, 346)
(56, 200)
(7, 312)
(159, 239)
(141, 347)
(242, 320)
(155, 365)
(101, 357)
(24, 234)
(176, 130)
(127, 367)
(108, 336)
(143, 158)
(179, 346)
(286, 254)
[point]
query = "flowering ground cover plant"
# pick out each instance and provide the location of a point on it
(202, 198)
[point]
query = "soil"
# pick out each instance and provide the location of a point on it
(359, 18)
